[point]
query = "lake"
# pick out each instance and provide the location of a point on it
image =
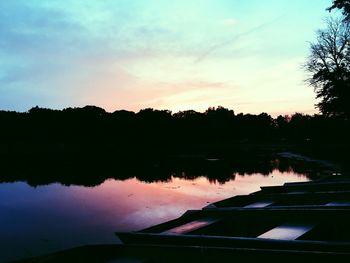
(42, 218)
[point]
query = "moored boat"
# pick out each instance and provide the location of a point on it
(301, 220)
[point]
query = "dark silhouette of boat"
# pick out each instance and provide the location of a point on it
(295, 221)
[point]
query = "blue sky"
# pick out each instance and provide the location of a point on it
(177, 55)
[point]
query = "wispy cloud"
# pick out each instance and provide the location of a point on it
(234, 38)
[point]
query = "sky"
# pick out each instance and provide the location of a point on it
(176, 55)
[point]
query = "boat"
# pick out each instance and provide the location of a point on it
(294, 221)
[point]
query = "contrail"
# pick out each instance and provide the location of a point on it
(227, 42)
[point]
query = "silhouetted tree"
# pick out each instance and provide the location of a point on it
(282, 124)
(329, 68)
(188, 126)
(219, 122)
(220, 112)
(343, 5)
(188, 114)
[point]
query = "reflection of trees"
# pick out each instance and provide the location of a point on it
(88, 145)
(89, 172)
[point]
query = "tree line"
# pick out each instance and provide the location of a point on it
(161, 128)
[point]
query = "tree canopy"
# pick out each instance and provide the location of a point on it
(329, 67)
(343, 5)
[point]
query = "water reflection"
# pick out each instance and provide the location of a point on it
(121, 196)
(48, 218)
(94, 172)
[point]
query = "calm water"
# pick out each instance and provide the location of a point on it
(42, 219)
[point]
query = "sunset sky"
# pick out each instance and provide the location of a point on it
(176, 55)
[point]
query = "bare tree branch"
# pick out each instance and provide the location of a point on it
(328, 66)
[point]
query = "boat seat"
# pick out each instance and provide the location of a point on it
(288, 231)
(191, 226)
(259, 204)
(338, 203)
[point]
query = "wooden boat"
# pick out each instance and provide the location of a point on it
(310, 187)
(315, 199)
(298, 220)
